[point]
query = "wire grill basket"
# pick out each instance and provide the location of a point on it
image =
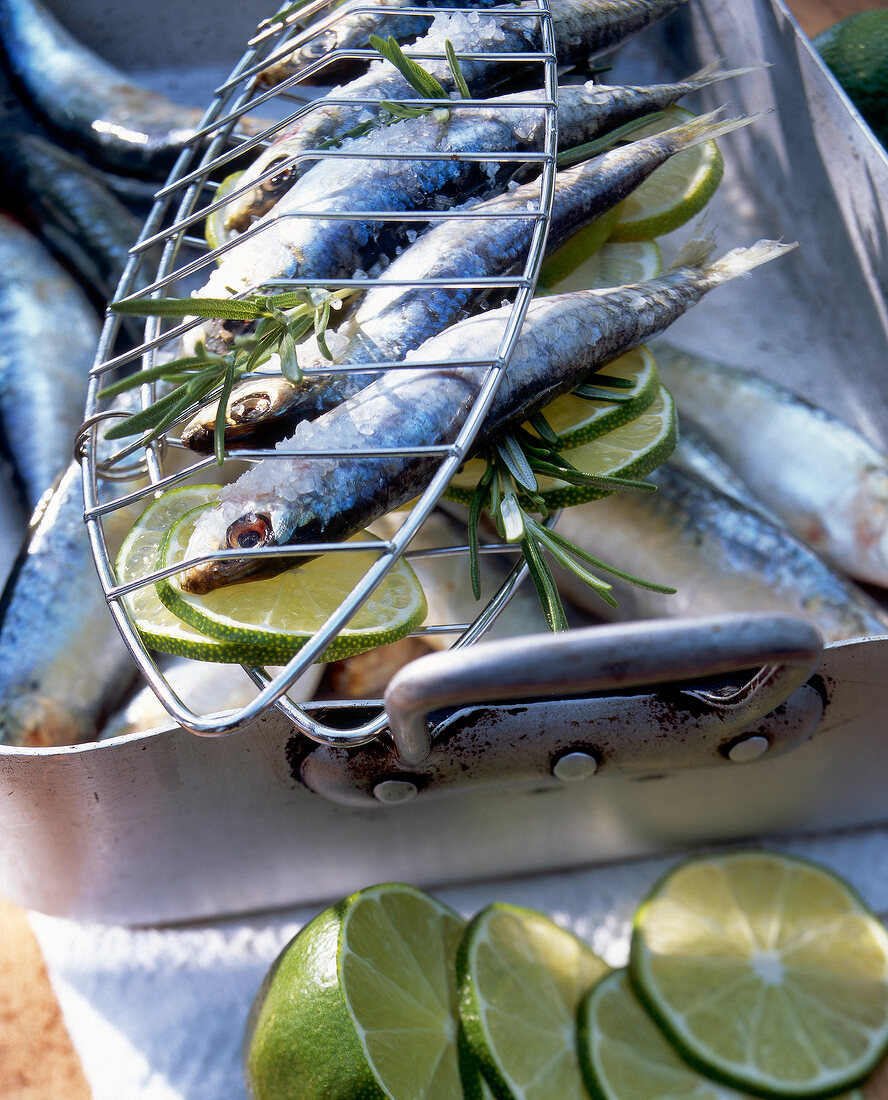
(172, 258)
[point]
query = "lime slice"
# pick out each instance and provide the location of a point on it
(625, 1056)
(674, 192)
(280, 614)
(765, 971)
(521, 978)
(362, 1004)
(615, 263)
(159, 628)
(577, 420)
(632, 450)
(214, 227)
(574, 254)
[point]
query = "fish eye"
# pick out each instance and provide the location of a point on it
(250, 407)
(279, 182)
(249, 531)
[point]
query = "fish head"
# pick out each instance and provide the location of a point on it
(284, 170)
(228, 526)
(251, 406)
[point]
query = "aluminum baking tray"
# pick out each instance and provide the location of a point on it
(546, 751)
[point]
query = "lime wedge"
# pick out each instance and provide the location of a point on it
(674, 192)
(632, 450)
(280, 614)
(765, 971)
(159, 628)
(614, 263)
(521, 978)
(577, 420)
(215, 232)
(362, 1004)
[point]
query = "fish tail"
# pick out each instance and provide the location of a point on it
(713, 72)
(706, 127)
(740, 261)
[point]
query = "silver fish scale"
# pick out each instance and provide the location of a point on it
(175, 225)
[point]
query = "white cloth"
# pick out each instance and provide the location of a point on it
(159, 1013)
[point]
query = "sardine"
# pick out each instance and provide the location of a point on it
(286, 500)
(205, 687)
(720, 556)
(50, 334)
(581, 29)
(824, 479)
(393, 320)
(63, 664)
(347, 29)
(120, 124)
(68, 204)
(297, 239)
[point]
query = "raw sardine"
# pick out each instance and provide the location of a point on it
(393, 320)
(63, 664)
(69, 205)
(303, 237)
(720, 556)
(581, 29)
(824, 479)
(120, 124)
(50, 334)
(347, 29)
(288, 500)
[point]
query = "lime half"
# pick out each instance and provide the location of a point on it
(765, 971)
(281, 613)
(521, 978)
(362, 1004)
(674, 192)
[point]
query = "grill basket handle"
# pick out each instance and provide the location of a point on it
(784, 649)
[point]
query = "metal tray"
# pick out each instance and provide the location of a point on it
(546, 751)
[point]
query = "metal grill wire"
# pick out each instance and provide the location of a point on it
(174, 225)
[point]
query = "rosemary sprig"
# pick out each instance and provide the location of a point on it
(282, 320)
(508, 491)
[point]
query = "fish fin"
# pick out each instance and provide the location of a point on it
(696, 252)
(708, 127)
(712, 73)
(740, 261)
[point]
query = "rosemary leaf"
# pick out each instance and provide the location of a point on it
(221, 413)
(569, 157)
(584, 555)
(228, 309)
(150, 374)
(458, 78)
(415, 75)
(543, 428)
(544, 582)
(598, 393)
(476, 506)
(151, 416)
(515, 460)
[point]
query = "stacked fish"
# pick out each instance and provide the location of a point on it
(283, 220)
